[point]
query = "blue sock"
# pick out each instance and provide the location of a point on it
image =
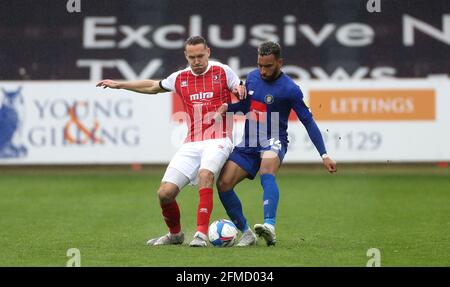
(270, 197)
(233, 207)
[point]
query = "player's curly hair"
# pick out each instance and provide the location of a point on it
(194, 40)
(269, 48)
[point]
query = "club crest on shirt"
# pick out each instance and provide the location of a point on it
(268, 99)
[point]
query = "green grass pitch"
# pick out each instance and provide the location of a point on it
(323, 219)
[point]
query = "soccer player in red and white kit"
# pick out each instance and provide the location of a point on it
(203, 86)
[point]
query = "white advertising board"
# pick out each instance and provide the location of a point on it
(377, 121)
(77, 123)
(362, 121)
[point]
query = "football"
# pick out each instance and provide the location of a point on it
(222, 233)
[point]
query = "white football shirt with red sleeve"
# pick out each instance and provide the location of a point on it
(202, 95)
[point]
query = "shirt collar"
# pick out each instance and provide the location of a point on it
(207, 69)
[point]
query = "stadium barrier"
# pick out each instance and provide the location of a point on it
(71, 122)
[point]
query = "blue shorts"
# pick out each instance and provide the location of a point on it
(249, 158)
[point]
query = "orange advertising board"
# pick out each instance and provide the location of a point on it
(373, 105)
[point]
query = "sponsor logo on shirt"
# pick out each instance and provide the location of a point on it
(201, 96)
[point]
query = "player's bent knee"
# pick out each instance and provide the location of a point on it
(205, 178)
(224, 184)
(166, 194)
(206, 175)
(267, 170)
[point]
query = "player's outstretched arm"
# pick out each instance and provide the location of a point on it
(305, 116)
(317, 140)
(329, 163)
(140, 86)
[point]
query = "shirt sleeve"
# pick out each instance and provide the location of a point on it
(232, 78)
(305, 116)
(168, 83)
